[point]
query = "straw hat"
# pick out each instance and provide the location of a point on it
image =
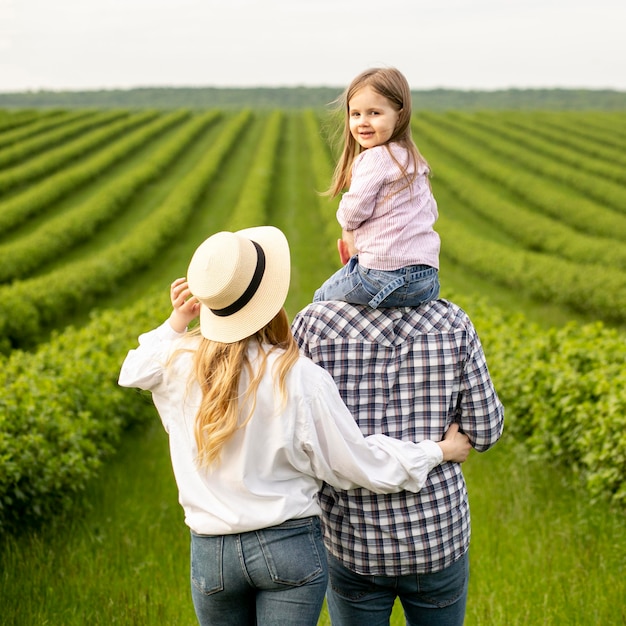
(241, 280)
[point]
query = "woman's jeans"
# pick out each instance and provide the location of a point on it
(436, 599)
(276, 576)
(409, 286)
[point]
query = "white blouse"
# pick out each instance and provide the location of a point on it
(270, 470)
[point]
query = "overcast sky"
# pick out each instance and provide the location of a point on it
(465, 44)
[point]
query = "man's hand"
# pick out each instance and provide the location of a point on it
(455, 445)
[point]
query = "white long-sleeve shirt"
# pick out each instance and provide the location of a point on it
(273, 467)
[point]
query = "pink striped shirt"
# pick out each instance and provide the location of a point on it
(392, 229)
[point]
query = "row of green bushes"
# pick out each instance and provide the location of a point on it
(19, 208)
(257, 186)
(19, 128)
(593, 127)
(61, 134)
(62, 413)
(15, 122)
(53, 160)
(19, 258)
(542, 193)
(564, 391)
(599, 160)
(534, 231)
(517, 150)
(321, 164)
(595, 290)
(29, 307)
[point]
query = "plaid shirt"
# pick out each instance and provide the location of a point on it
(407, 373)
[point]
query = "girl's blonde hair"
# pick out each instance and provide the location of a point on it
(391, 84)
(217, 367)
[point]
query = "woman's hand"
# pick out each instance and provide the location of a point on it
(455, 445)
(186, 307)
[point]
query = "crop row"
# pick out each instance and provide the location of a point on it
(595, 290)
(513, 149)
(257, 186)
(530, 229)
(53, 160)
(586, 156)
(578, 126)
(564, 390)
(536, 191)
(539, 191)
(312, 223)
(19, 208)
(42, 124)
(11, 122)
(59, 421)
(28, 307)
(320, 155)
(27, 149)
(20, 257)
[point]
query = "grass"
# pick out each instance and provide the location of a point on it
(541, 552)
(122, 558)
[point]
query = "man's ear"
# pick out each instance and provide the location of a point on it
(344, 253)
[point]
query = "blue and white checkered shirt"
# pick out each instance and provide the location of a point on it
(408, 373)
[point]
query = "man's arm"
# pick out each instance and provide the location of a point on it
(480, 412)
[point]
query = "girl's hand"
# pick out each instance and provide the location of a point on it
(455, 445)
(186, 307)
(348, 237)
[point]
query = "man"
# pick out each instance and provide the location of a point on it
(408, 373)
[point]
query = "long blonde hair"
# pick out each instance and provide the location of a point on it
(217, 367)
(391, 84)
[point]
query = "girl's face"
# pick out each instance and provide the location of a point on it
(372, 118)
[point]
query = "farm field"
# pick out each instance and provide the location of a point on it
(101, 210)
(545, 191)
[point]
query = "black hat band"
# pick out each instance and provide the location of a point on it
(251, 289)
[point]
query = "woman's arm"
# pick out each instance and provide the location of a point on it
(143, 366)
(340, 455)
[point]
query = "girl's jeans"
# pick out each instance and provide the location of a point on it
(276, 576)
(409, 286)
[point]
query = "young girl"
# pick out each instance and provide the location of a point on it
(389, 209)
(254, 429)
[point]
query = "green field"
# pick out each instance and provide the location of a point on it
(101, 210)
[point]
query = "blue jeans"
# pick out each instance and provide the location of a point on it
(276, 576)
(436, 599)
(409, 286)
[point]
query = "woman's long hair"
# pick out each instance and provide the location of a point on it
(218, 367)
(391, 84)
